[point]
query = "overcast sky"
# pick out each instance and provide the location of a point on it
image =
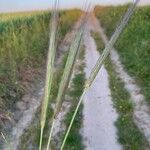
(23, 5)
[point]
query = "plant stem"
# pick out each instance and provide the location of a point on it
(40, 146)
(50, 135)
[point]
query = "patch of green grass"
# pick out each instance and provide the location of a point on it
(133, 45)
(128, 133)
(23, 44)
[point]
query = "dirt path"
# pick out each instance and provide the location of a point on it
(141, 109)
(99, 116)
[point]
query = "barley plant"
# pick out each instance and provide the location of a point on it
(73, 53)
(50, 69)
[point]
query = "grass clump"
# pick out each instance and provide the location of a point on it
(49, 70)
(74, 140)
(24, 39)
(129, 135)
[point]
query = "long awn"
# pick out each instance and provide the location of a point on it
(50, 69)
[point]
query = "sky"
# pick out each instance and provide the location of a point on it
(23, 5)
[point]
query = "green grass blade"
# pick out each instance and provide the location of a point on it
(100, 62)
(50, 70)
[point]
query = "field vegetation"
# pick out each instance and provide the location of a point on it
(133, 45)
(24, 41)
